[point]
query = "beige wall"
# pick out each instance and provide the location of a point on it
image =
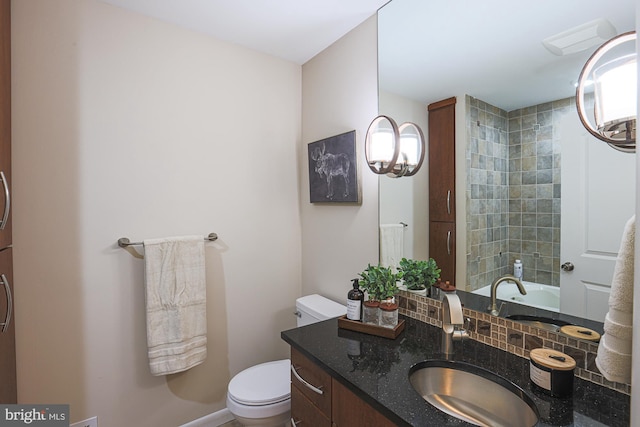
(339, 94)
(125, 126)
(407, 200)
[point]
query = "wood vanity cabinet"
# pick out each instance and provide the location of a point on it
(442, 185)
(308, 406)
(8, 390)
(8, 387)
(349, 410)
(337, 406)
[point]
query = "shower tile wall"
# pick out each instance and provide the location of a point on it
(487, 192)
(513, 191)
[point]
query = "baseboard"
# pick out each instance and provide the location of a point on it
(214, 419)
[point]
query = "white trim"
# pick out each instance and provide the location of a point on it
(214, 419)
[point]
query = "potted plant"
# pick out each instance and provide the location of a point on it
(380, 284)
(418, 275)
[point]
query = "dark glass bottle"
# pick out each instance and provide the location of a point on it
(354, 302)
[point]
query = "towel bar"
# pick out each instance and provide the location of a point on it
(123, 242)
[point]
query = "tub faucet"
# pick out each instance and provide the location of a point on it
(452, 320)
(494, 286)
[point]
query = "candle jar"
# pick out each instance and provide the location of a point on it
(370, 312)
(388, 313)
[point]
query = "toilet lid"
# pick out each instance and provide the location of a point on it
(262, 384)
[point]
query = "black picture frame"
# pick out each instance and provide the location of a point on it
(333, 170)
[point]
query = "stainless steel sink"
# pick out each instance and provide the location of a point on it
(473, 394)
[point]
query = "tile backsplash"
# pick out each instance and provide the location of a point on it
(513, 337)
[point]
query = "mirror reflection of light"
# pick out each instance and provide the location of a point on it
(615, 91)
(409, 147)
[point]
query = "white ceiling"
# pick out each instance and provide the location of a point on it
(489, 49)
(295, 30)
(428, 49)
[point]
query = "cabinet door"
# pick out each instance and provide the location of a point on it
(442, 165)
(304, 412)
(348, 410)
(314, 383)
(5, 121)
(8, 392)
(442, 248)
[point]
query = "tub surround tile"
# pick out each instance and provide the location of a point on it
(519, 148)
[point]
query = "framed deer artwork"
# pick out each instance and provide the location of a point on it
(333, 172)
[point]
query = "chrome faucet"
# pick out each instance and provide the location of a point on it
(494, 286)
(452, 321)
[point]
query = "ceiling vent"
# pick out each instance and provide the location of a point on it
(580, 38)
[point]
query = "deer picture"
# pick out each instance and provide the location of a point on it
(330, 165)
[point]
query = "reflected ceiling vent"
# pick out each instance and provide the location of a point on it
(580, 38)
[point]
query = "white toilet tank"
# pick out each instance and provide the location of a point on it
(315, 308)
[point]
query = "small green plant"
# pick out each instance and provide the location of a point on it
(379, 282)
(418, 274)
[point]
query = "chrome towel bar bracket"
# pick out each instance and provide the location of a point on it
(123, 242)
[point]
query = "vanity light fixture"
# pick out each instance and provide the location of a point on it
(615, 84)
(394, 150)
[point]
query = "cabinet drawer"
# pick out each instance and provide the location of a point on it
(304, 413)
(315, 378)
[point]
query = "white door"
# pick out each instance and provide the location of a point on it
(598, 198)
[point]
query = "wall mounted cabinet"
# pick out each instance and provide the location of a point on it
(442, 184)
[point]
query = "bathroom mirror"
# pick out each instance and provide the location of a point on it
(493, 51)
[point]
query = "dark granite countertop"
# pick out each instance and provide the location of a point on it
(377, 369)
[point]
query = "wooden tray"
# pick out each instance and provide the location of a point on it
(367, 328)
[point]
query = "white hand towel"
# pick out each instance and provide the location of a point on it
(621, 297)
(619, 335)
(614, 350)
(175, 303)
(613, 365)
(391, 244)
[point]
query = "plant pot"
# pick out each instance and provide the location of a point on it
(388, 314)
(422, 292)
(370, 312)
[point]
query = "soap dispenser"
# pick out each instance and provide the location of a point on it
(355, 297)
(517, 269)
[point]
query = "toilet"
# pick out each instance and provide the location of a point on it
(261, 395)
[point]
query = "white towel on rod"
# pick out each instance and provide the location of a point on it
(614, 350)
(391, 244)
(176, 311)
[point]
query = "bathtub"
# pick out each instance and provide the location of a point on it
(540, 296)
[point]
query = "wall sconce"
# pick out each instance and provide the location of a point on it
(394, 150)
(615, 94)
